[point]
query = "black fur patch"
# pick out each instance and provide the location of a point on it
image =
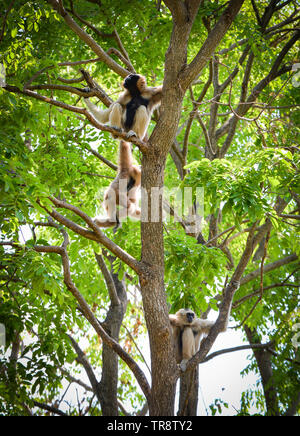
(180, 340)
(132, 107)
(130, 84)
(130, 184)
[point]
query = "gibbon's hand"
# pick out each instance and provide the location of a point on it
(183, 365)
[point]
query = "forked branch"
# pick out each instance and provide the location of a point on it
(29, 93)
(89, 315)
(87, 39)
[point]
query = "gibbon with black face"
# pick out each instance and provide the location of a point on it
(133, 109)
(123, 191)
(188, 330)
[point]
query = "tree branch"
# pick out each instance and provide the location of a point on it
(123, 51)
(70, 224)
(93, 28)
(212, 41)
(257, 292)
(87, 39)
(177, 9)
(102, 158)
(10, 6)
(87, 312)
(256, 12)
(82, 359)
(60, 64)
(268, 267)
(233, 349)
(96, 235)
(95, 88)
(51, 409)
(225, 308)
(260, 296)
(142, 145)
(115, 301)
(67, 88)
(245, 104)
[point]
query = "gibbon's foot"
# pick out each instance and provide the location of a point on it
(104, 222)
(183, 365)
(131, 133)
(118, 129)
(236, 284)
(117, 226)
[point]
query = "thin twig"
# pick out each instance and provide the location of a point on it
(137, 347)
(261, 288)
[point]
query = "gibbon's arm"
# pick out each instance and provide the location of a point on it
(154, 90)
(157, 92)
(154, 96)
(101, 115)
(125, 158)
(174, 321)
(136, 174)
(126, 168)
(124, 98)
(202, 325)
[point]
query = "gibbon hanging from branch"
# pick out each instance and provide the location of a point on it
(123, 191)
(133, 109)
(188, 330)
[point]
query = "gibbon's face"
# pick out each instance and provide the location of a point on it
(186, 315)
(133, 82)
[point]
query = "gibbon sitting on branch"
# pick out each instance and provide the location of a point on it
(133, 109)
(123, 191)
(188, 330)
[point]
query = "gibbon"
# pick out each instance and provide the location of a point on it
(133, 109)
(187, 334)
(123, 191)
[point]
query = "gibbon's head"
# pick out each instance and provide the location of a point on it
(135, 84)
(186, 315)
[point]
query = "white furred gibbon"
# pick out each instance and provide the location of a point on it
(188, 330)
(123, 191)
(133, 109)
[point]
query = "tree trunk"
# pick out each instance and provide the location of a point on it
(163, 365)
(188, 397)
(109, 381)
(263, 359)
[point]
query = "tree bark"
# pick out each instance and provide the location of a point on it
(109, 381)
(163, 365)
(263, 359)
(188, 394)
(164, 370)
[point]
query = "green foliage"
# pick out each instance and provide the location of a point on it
(47, 151)
(193, 272)
(241, 188)
(217, 406)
